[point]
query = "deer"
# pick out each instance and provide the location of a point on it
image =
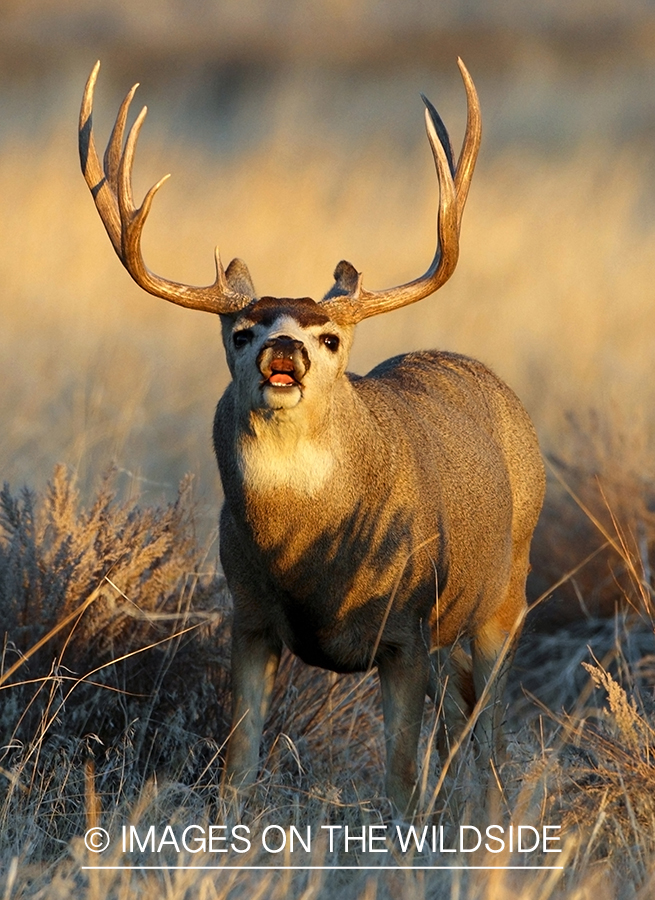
(379, 521)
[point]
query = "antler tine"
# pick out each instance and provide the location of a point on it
(472, 138)
(442, 133)
(111, 188)
(463, 172)
(114, 151)
(348, 302)
(93, 172)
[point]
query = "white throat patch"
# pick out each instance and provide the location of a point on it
(267, 463)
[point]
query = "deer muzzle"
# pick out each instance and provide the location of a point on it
(283, 362)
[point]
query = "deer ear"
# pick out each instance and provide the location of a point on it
(238, 278)
(346, 281)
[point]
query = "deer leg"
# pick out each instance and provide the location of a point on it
(453, 674)
(255, 660)
(404, 675)
(492, 658)
(493, 649)
(452, 690)
(488, 647)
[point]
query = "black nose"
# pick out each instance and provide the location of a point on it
(283, 346)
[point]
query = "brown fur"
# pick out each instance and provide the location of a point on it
(419, 537)
(304, 310)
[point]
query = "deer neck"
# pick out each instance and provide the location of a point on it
(275, 454)
(298, 450)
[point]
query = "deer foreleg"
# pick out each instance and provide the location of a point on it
(404, 675)
(255, 660)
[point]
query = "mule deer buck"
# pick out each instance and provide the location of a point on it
(367, 520)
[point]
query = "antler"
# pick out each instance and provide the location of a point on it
(348, 302)
(111, 187)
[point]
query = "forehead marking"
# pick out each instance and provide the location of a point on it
(305, 311)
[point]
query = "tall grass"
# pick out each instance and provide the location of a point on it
(115, 707)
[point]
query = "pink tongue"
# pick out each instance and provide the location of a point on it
(280, 378)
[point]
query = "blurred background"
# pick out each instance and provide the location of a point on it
(294, 133)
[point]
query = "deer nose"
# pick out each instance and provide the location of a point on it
(283, 346)
(283, 353)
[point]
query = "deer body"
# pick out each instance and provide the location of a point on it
(413, 534)
(368, 521)
(406, 477)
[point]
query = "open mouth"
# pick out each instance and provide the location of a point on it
(283, 363)
(281, 380)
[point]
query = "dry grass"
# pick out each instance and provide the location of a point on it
(115, 697)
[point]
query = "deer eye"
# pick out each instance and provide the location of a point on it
(242, 338)
(331, 341)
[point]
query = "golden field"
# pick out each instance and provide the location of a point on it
(115, 656)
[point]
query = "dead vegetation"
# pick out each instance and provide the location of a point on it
(115, 701)
(598, 521)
